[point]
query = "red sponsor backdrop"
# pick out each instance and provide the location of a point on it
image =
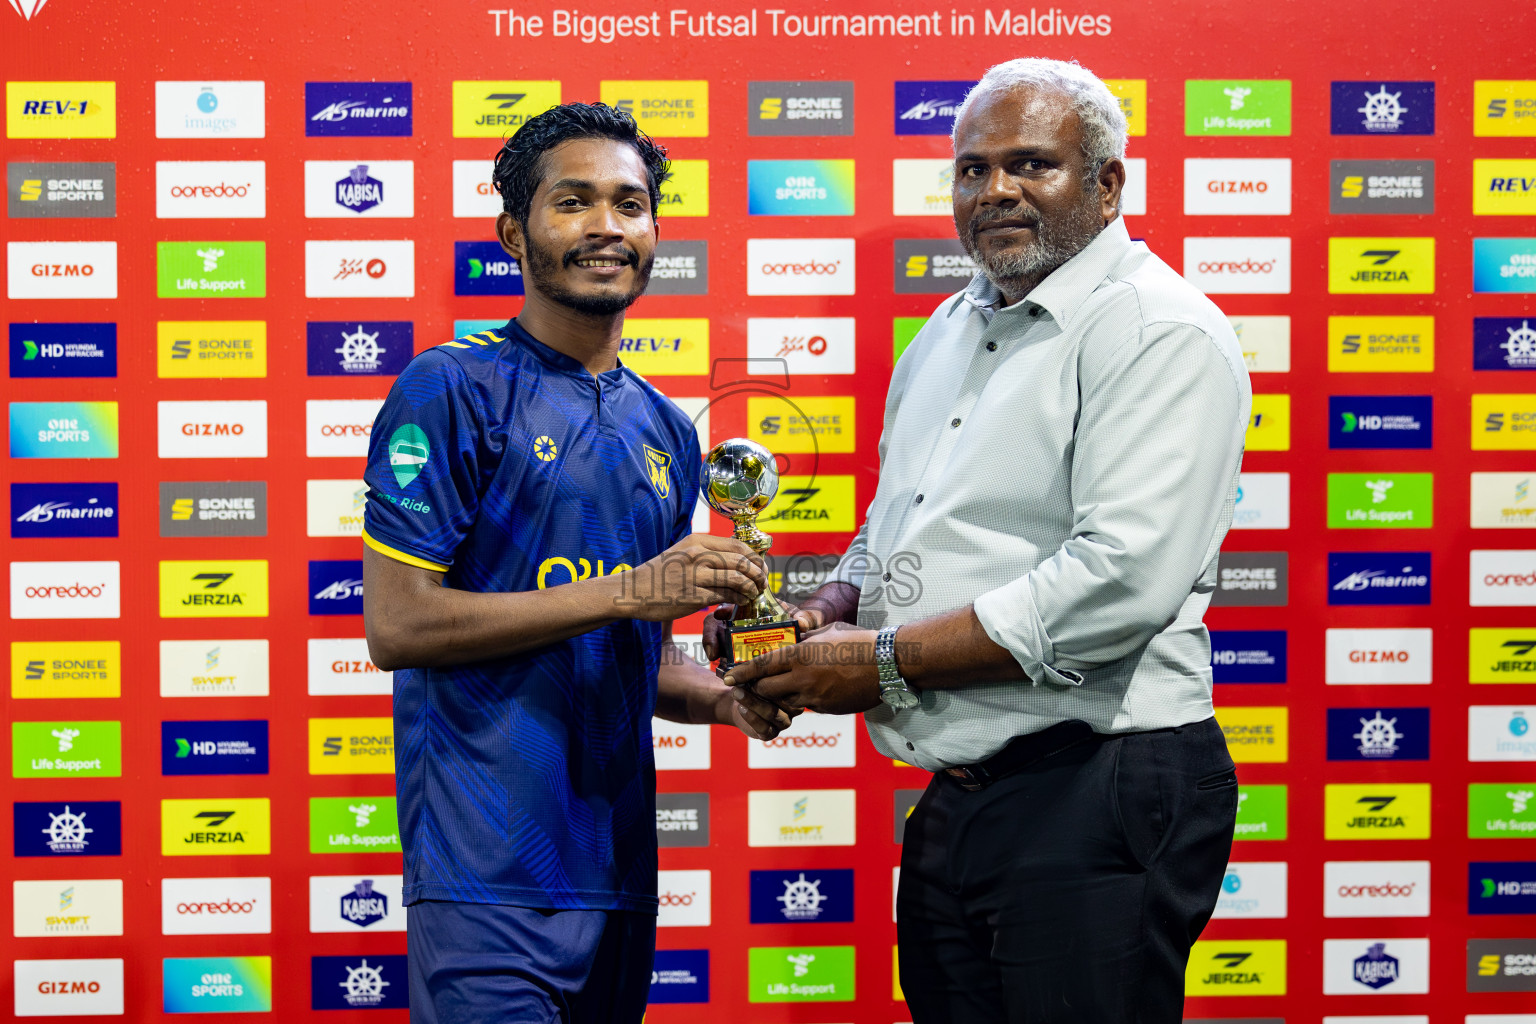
(283, 44)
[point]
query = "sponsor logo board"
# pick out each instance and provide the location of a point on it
(353, 824)
(68, 828)
(336, 587)
(1382, 108)
(799, 108)
(212, 430)
(358, 108)
(824, 741)
(1133, 196)
(215, 906)
(373, 982)
(679, 746)
(1375, 966)
(1381, 344)
(666, 346)
(1249, 107)
(1503, 187)
(803, 345)
(922, 187)
(821, 504)
(210, 189)
(1238, 266)
(1504, 265)
(210, 110)
(474, 194)
(680, 976)
(676, 109)
(55, 669)
(1256, 735)
(1378, 578)
(686, 193)
(351, 746)
(227, 509)
(64, 510)
(334, 508)
(341, 667)
(801, 896)
(1501, 655)
(211, 270)
(1248, 656)
(213, 589)
(68, 987)
(61, 189)
(1252, 578)
(63, 430)
(353, 903)
(1381, 266)
(800, 974)
(339, 427)
(800, 266)
(67, 907)
(800, 188)
(1376, 888)
(1503, 579)
(1372, 656)
(211, 348)
(1500, 732)
(215, 826)
(485, 268)
(684, 899)
(66, 750)
(820, 424)
(1501, 965)
(354, 189)
(1503, 107)
(682, 819)
(1236, 967)
(905, 801)
(1265, 341)
(214, 668)
(61, 110)
(63, 350)
(1498, 343)
(359, 269)
(1234, 187)
(1501, 887)
(354, 348)
(1132, 94)
(1503, 422)
(937, 266)
(928, 108)
(1380, 421)
(1256, 889)
(66, 590)
(1377, 500)
(1263, 502)
(1376, 810)
(1381, 186)
(214, 748)
(800, 817)
(1269, 424)
(1378, 734)
(217, 984)
(61, 270)
(680, 268)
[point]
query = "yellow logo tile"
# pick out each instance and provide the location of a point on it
(1503, 422)
(496, 110)
(686, 193)
(211, 348)
(1269, 424)
(666, 347)
(1504, 187)
(351, 746)
(821, 504)
(1376, 810)
(66, 668)
(226, 589)
(61, 110)
(1256, 735)
(784, 424)
(896, 992)
(215, 827)
(1501, 656)
(662, 109)
(1504, 107)
(1381, 266)
(1236, 967)
(1381, 344)
(1132, 94)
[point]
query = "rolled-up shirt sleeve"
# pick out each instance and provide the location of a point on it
(1156, 452)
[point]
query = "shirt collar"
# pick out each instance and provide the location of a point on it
(558, 361)
(1065, 290)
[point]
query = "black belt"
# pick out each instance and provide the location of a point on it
(1020, 753)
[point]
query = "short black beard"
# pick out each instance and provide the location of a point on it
(542, 267)
(1017, 271)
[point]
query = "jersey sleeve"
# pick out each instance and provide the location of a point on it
(423, 464)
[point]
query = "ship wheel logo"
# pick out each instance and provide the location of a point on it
(360, 351)
(66, 831)
(1382, 111)
(802, 899)
(365, 985)
(1378, 736)
(1520, 348)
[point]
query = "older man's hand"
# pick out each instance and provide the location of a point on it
(831, 671)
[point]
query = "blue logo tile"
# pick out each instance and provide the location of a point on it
(1501, 887)
(357, 108)
(1369, 578)
(680, 976)
(1380, 421)
(372, 982)
(64, 510)
(1378, 734)
(484, 268)
(1383, 108)
(1503, 343)
(352, 348)
(780, 897)
(1504, 265)
(336, 587)
(63, 350)
(68, 828)
(928, 108)
(214, 748)
(1248, 655)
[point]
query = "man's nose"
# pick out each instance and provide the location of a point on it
(999, 189)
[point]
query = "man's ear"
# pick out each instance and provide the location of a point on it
(1111, 184)
(510, 234)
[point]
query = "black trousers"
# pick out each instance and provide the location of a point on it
(1071, 891)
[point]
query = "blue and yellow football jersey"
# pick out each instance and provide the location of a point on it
(529, 780)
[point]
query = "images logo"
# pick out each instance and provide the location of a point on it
(61, 270)
(1388, 421)
(1503, 108)
(928, 108)
(494, 110)
(359, 269)
(794, 188)
(336, 587)
(1240, 186)
(1213, 107)
(1378, 578)
(352, 190)
(215, 827)
(357, 108)
(213, 748)
(484, 268)
(210, 110)
(61, 189)
(230, 588)
(1376, 500)
(1500, 732)
(1263, 502)
(799, 108)
(211, 270)
(1248, 656)
(1378, 734)
(1245, 266)
(60, 110)
(1504, 264)
(1381, 266)
(1236, 968)
(1381, 344)
(211, 348)
(217, 984)
(1376, 811)
(63, 510)
(1383, 108)
(343, 824)
(1257, 889)
(76, 828)
(662, 109)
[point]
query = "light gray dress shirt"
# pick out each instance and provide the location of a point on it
(1068, 465)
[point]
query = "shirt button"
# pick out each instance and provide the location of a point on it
(991, 346)
(911, 747)
(885, 577)
(918, 500)
(1034, 311)
(955, 422)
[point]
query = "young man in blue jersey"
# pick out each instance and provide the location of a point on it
(528, 544)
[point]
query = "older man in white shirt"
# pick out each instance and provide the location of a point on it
(1059, 465)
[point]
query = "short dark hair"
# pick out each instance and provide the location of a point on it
(518, 167)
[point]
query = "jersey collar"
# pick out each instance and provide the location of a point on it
(559, 361)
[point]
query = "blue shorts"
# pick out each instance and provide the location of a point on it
(477, 963)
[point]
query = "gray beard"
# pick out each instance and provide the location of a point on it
(1017, 271)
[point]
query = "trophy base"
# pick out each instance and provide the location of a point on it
(750, 640)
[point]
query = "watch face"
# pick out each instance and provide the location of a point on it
(897, 697)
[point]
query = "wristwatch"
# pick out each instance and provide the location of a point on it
(893, 689)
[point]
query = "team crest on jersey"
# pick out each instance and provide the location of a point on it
(658, 463)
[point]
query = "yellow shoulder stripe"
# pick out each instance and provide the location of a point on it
(401, 556)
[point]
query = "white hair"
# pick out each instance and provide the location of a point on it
(1103, 122)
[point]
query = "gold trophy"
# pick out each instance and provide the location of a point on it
(739, 480)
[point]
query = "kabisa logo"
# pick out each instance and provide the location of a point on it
(357, 108)
(1248, 656)
(928, 108)
(1383, 108)
(362, 906)
(1376, 968)
(1378, 578)
(1504, 265)
(215, 827)
(1501, 887)
(60, 110)
(1380, 421)
(373, 982)
(802, 896)
(495, 110)
(1383, 734)
(336, 587)
(64, 510)
(485, 268)
(409, 450)
(75, 828)
(799, 108)
(61, 189)
(359, 191)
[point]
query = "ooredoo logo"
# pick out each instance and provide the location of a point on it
(823, 741)
(684, 899)
(216, 906)
(213, 430)
(800, 266)
(207, 189)
(339, 427)
(1223, 266)
(65, 590)
(1504, 578)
